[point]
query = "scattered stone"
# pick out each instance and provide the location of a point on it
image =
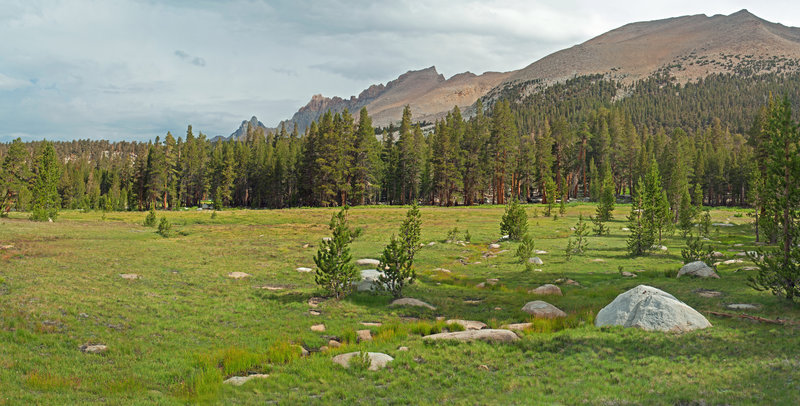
(650, 309)
(488, 335)
(377, 360)
(303, 352)
(492, 281)
(699, 269)
(567, 281)
(598, 260)
(442, 270)
(742, 306)
(270, 287)
(407, 301)
(542, 309)
(323, 348)
(368, 262)
(483, 367)
(717, 254)
(334, 344)
(738, 245)
(371, 324)
(326, 238)
(432, 243)
(6, 247)
(505, 237)
(537, 270)
(318, 327)
(741, 254)
(663, 248)
(546, 289)
(315, 301)
(364, 335)
(129, 276)
(707, 293)
(498, 308)
(539, 252)
(749, 268)
(93, 349)
(722, 224)
(468, 324)
(518, 326)
(402, 349)
(241, 380)
(472, 301)
(627, 274)
(369, 280)
(314, 312)
(303, 269)
(306, 245)
(83, 315)
(481, 285)
(488, 255)
(536, 261)
(494, 246)
(732, 261)
(238, 275)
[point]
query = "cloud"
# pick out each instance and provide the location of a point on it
(9, 83)
(194, 60)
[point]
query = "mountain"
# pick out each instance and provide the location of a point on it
(686, 48)
(241, 132)
(427, 91)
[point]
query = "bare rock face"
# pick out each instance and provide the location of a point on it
(377, 360)
(698, 269)
(488, 335)
(546, 289)
(542, 309)
(407, 301)
(468, 324)
(650, 309)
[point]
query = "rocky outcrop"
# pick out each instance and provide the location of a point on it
(650, 309)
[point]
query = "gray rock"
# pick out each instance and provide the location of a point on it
(318, 327)
(539, 252)
(494, 246)
(368, 262)
(468, 324)
(129, 276)
(241, 380)
(238, 275)
(742, 306)
(542, 309)
(407, 301)
(303, 269)
(93, 349)
(699, 269)
(377, 360)
(488, 335)
(722, 224)
(369, 280)
(536, 261)
(627, 274)
(546, 289)
(518, 326)
(650, 309)
(364, 335)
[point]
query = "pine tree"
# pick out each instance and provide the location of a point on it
(15, 175)
(605, 208)
(46, 200)
(641, 239)
(335, 273)
(655, 206)
(779, 269)
(397, 260)
(514, 222)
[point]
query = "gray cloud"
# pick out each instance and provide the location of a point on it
(130, 69)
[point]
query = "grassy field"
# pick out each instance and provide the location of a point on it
(174, 334)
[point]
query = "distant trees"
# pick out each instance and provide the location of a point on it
(46, 200)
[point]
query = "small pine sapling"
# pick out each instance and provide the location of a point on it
(164, 228)
(335, 273)
(514, 222)
(150, 220)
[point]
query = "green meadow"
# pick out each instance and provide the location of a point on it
(180, 329)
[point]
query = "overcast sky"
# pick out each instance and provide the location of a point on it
(129, 69)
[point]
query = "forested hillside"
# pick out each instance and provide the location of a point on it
(704, 136)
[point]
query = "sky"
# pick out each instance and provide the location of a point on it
(135, 69)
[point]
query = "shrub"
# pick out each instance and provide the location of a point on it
(164, 227)
(150, 220)
(334, 272)
(514, 222)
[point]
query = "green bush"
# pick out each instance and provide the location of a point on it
(150, 220)
(164, 228)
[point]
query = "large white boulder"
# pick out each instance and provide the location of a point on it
(699, 269)
(650, 309)
(369, 280)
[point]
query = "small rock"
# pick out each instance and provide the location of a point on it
(468, 324)
(371, 324)
(567, 281)
(303, 269)
(129, 276)
(483, 367)
(722, 224)
(625, 229)
(314, 312)
(717, 254)
(368, 262)
(738, 245)
(6, 247)
(238, 275)
(698, 269)
(407, 301)
(241, 380)
(707, 293)
(492, 281)
(627, 274)
(537, 270)
(364, 335)
(93, 349)
(741, 254)
(536, 261)
(542, 309)
(539, 252)
(442, 270)
(323, 348)
(498, 308)
(749, 268)
(270, 287)
(742, 306)
(546, 289)
(598, 260)
(306, 245)
(472, 301)
(488, 335)
(481, 285)
(303, 352)
(494, 246)
(334, 344)
(402, 349)
(518, 326)
(83, 315)
(315, 301)
(732, 261)
(370, 280)
(432, 243)
(318, 327)
(377, 360)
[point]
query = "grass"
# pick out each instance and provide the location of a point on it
(178, 331)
